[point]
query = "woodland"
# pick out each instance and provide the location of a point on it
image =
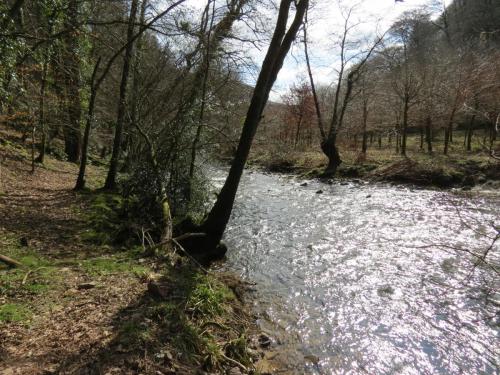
(114, 113)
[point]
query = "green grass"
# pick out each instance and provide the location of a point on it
(37, 276)
(14, 313)
(208, 296)
(112, 265)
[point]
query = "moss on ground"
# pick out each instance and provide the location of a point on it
(113, 264)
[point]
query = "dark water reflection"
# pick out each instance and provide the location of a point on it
(357, 278)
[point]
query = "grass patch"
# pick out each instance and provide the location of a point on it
(208, 296)
(113, 265)
(38, 276)
(14, 313)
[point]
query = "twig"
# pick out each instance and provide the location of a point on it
(234, 362)
(9, 261)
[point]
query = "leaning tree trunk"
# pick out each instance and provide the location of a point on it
(110, 183)
(217, 219)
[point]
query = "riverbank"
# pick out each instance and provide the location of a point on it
(454, 171)
(81, 302)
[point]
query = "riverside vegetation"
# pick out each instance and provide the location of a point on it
(111, 111)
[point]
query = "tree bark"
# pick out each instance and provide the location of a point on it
(110, 183)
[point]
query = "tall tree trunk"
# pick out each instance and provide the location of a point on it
(317, 108)
(448, 132)
(134, 110)
(297, 131)
(41, 112)
(428, 134)
(398, 139)
(364, 145)
(422, 132)
(205, 72)
(80, 181)
(405, 125)
(72, 132)
(282, 39)
(110, 183)
(469, 133)
(379, 141)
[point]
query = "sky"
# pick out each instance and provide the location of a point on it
(372, 17)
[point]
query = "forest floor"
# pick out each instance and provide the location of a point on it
(80, 305)
(457, 169)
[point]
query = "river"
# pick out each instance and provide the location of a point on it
(362, 278)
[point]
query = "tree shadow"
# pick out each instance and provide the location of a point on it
(152, 335)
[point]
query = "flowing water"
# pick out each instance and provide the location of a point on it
(374, 279)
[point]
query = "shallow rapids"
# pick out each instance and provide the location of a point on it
(373, 279)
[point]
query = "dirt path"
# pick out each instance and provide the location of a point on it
(74, 318)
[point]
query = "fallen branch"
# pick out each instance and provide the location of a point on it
(9, 261)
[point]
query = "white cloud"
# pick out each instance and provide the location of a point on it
(325, 20)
